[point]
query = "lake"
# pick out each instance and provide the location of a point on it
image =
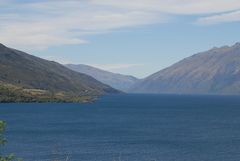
(126, 128)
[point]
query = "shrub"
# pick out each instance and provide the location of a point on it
(3, 141)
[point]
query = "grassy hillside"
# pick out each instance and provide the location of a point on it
(27, 75)
(12, 93)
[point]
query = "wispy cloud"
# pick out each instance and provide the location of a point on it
(40, 25)
(107, 67)
(114, 67)
(174, 6)
(61, 60)
(47, 23)
(221, 18)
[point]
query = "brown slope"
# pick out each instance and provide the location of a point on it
(216, 71)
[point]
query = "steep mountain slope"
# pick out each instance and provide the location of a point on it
(216, 71)
(29, 72)
(118, 81)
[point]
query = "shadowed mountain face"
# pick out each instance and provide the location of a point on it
(118, 81)
(216, 71)
(20, 69)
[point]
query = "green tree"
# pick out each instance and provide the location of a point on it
(2, 129)
(3, 141)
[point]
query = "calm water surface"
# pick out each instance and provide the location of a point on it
(127, 128)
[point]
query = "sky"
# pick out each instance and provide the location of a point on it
(133, 37)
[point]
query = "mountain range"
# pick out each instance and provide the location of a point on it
(117, 81)
(26, 77)
(216, 71)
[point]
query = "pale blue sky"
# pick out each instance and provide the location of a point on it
(137, 38)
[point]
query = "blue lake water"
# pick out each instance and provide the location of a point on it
(126, 128)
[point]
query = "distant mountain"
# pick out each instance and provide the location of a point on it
(118, 81)
(26, 72)
(216, 71)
